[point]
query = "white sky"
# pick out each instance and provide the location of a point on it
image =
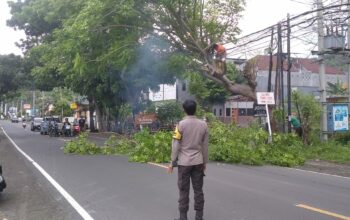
(259, 14)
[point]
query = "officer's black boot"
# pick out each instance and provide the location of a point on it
(183, 216)
(199, 215)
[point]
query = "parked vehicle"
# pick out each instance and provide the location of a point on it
(14, 119)
(54, 130)
(2, 181)
(45, 124)
(76, 129)
(35, 124)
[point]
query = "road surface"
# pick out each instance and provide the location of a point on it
(110, 187)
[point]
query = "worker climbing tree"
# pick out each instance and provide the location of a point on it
(217, 52)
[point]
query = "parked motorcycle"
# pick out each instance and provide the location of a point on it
(53, 129)
(76, 129)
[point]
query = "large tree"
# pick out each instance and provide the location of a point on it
(192, 26)
(11, 75)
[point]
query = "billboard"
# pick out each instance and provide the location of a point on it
(340, 117)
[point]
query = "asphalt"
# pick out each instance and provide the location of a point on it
(28, 196)
(110, 187)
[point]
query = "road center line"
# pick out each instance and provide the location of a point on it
(158, 165)
(82, 212)
(332, 214)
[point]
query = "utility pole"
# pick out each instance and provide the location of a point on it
(278, 63)
(348, 46)
(269, 89)
(323, 98)
(281, 75)
(289, 87)
(33, 108)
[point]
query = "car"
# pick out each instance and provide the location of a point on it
(35, 123)
(14, 119)
(45, 124)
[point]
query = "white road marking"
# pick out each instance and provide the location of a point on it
(83, 213)
(325, 174)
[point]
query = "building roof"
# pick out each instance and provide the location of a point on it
(298, 64)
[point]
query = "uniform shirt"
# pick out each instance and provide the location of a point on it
(192, 148)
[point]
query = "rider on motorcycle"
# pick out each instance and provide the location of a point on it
(66, 127)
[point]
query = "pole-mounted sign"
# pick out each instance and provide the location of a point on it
(266, 98)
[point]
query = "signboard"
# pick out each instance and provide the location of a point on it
(73, 105)
(260, 111)
(26, 106)
(145, 118)
(265, 98)
(340, 118)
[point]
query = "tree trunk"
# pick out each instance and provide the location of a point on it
(91, 113)
(99, 119)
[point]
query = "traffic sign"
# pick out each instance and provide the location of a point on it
(265, 98)
(26, 106)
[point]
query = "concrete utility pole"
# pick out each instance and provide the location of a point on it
(289, 87)
(322, 70)
(348, 46)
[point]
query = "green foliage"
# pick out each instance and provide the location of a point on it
(308, 111)
(336, 88)
(285, 150)
(114, 145)
(169, 112)
(81, 145)
(152, 147)
(11, 74)
(342, 138)
(249, 146)
(330, 151)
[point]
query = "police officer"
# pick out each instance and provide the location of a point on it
(190, 154)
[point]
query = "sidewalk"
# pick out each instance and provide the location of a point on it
(28, 194)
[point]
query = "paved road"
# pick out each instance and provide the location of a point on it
(109, 187)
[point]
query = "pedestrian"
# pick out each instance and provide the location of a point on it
(82, 123)
(294, 121)
(190, 155)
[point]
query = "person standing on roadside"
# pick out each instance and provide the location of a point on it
(190, 154)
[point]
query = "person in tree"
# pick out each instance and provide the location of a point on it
(218, 51)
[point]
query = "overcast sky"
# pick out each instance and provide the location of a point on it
(258, 15)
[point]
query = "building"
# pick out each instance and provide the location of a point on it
(304, 78)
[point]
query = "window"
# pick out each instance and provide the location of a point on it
(215, 111)
(184, 86)
(220, 112)
(228, 112)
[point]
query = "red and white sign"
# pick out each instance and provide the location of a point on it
(26, 106)
(265, 98)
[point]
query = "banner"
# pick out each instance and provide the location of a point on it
(341, 118)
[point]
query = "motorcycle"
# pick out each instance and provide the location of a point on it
(76, 129)
(24, 125)
(67, 132)
(53, 130)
